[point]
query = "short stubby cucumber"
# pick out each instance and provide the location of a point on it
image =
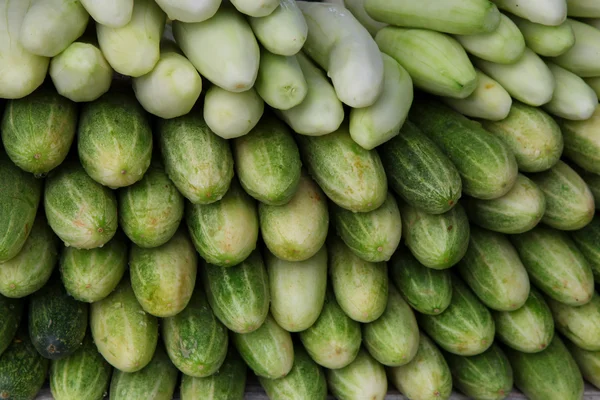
(580, 324)
(587, 240)
(12, 312)
(283, 31)
(364, 378)
(582, 141)
(232, 114)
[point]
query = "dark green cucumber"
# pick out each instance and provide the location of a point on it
(11, 311)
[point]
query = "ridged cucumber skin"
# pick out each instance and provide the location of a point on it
(124, 333)
(82, 212)
(373, 236)
(156, 381)
(22, 369)
(84, 374)
(297, 290)
(163, 278)
(239, 295)
(399, 348)
(529, 329)
(466, 328)
(267, 162)
(582, 141)
(27, 272)
(555, 265)
(114, 139)
(268, 351)
(38, 130)
(484, 376)
(224, 232)
(297, 230)
(551, 374)
(360, 287)
(334, 340)
(569, 201)
(427, 290)
(580, 324)
(306, 380)
(518, 211)
(198, 162)
(350, 176)
(195, 340)
(437, 241)
(20, 194)
(486, 165)
(150, 210)
(11, 312)
(419, 172)
(229, 382)
(91, 275)
(588, 362)
(531, 134)
(427, 376)
(587, 240)
(364, 378)
(57, 322)
(494, 272)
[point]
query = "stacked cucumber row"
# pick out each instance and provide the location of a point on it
(334, 198)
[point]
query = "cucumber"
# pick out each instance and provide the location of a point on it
(198, 162)
(580, 324)
(364, 378)
(484, 376)
(124, 333)
(587, 240)
(91, 275)
(163, 278)
(486, 165)
(573, 98)
(38, 130)
(57, 322)
(466, 328)
(297, 230)
(155, 381)
(419, 172)
(268, 351)
(82, 212)
(357, 8)
(31, 268)
(114, 140)
(437, 241)
(267, 162)
(280, 81)
(518, 211)
(150, 210)
(427, 290)
(11, 311)
(582, 142)
(114, 14)
(81, 375)
(546, 12)
(352, 177)
(224, 232)
(569, 201)
(547, 41)
(255, 8)
(229, 382)
(20, 195)
(239, 295)
(426, 377)
(493, 270)
(393, 339)
(593, 182)
(583, 8)
(297, 290)
(360, 287)
(551, 374)
(588, 362)
(189, 10)
(555, 265)
(531, 134)
(582, 59)
(529, 329)
(195, 340)
(373, 236)
(334, 340)
(22, 369)
(306, 380)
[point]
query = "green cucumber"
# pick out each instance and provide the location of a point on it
(373, 236)
(588, 362)
(587, 240)
(582, 141)
(364, 378)
(419, 172)
(580, 324)
(239, 295)
(438, 241)
(224, 232)
(11, 311)
(593, 182)
(427, 290)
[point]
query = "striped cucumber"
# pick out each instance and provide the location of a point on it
(364, 378)
(580, 324)
(588, 362)
(582, 141)
(587, 240)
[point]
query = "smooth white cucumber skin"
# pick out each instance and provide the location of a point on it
(282, 32)
(189, 10)
(111, 13)
(548, 41)
(573, 98)
(583, 58)
(280, 81)
(230, 114)
(255, 8)
(357, 8)
(545, 12)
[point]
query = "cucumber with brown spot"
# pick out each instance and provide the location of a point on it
(587, 240)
